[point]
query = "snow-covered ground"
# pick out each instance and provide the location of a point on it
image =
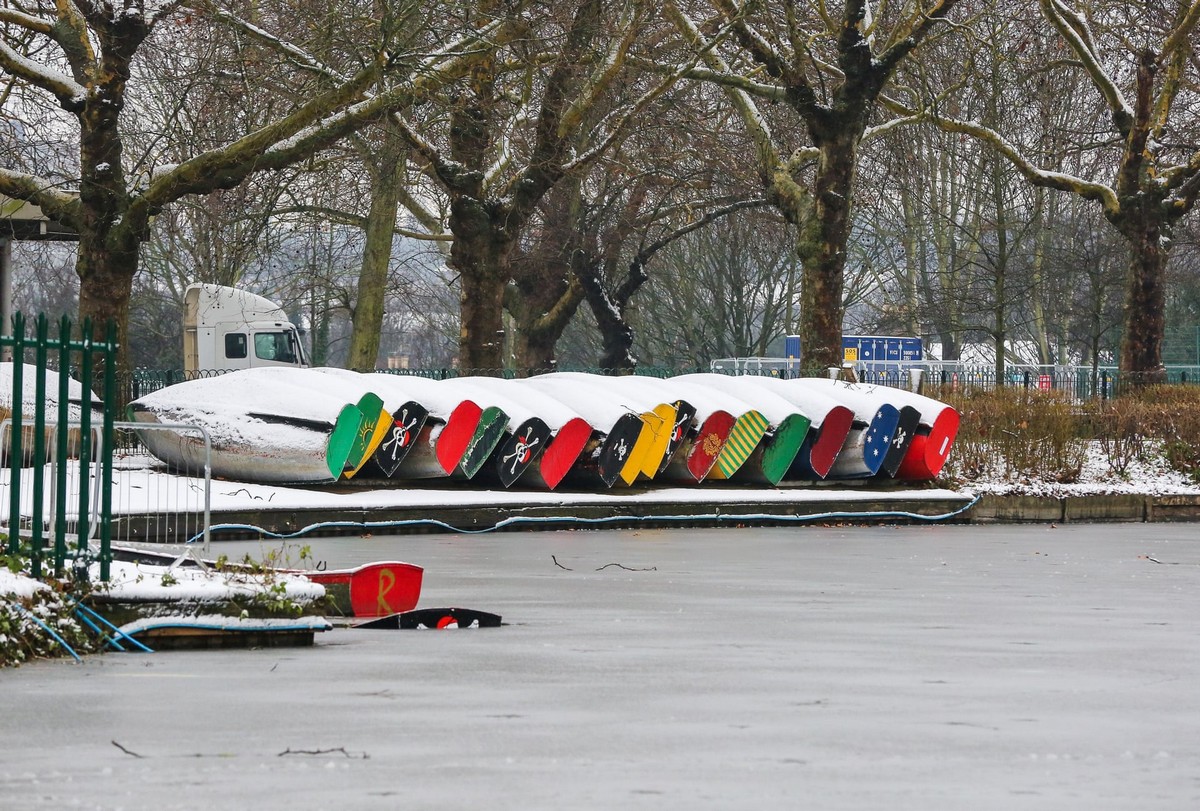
(1151, 476)
(18, 585)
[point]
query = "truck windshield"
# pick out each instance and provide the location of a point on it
(276, 346)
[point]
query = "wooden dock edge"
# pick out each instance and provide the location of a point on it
(838, 506)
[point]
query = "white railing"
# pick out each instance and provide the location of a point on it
(152, 504)
(149, 503)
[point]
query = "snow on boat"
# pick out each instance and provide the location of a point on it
(648, 393)
(787, 426)
(524, 435)
(868, 398)
(406, 424)
(451, 421)
(372, 428)
(936, 431)
(880, 420)
(742, 438)
(539, 426)
(266, 424)
(621, 443)
(906, 432)
(829, 430)
(75, 399)
(699, 441)
(851, 462)
(493, 422)
(570, 433)
(661, 417)
(657, 419)
(75, 394)
(373, 589)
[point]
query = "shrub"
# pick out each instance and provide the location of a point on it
(1119, 429)
(1018, 433)
(22, 637)
(1014, 433)
(1172, 415)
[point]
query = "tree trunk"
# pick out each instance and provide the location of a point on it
(1041, 327)
(615, 332)
(107, 259)
(821, 246)
(545, 293)
(106, 274)
(616, 335)
(914, 258)
(481, 337)
(1000, 306)
(482, 279)
(950, 345)
(480, 255)
(1145, 302)
(319, 311)
(534, 349)
(367, 327)
(542, 313)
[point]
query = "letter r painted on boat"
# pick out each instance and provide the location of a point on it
(383, 605)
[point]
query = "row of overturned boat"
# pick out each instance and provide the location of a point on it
(325, 425)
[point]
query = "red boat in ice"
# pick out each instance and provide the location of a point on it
(371, 590)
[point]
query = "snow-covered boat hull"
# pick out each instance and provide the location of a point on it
(265, 425)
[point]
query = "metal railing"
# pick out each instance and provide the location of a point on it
(48, 435)
(64, 489)
(151, 504)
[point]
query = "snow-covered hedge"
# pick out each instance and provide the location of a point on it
(1022, 435)
(27, 609)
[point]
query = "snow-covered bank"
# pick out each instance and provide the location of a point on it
(37, 620)
(1150, 475)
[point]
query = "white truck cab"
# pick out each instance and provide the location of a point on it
(225, 328)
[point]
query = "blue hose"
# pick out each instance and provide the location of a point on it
(522, 519)
(49, 631)
(82, 611)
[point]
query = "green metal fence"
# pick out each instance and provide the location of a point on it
(38, 450)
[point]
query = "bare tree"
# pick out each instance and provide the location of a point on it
(523, 121)
(720, 291)
(81, 54)
(1140, 64)
(829, 70)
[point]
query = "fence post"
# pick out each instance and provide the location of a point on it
(106, 442)
(85, 440)
(37, 530)
(47, 449)
(16, 451)
(62, 434)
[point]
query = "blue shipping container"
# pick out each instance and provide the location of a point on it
(881, 349)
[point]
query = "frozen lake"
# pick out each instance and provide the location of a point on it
(931, 667)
